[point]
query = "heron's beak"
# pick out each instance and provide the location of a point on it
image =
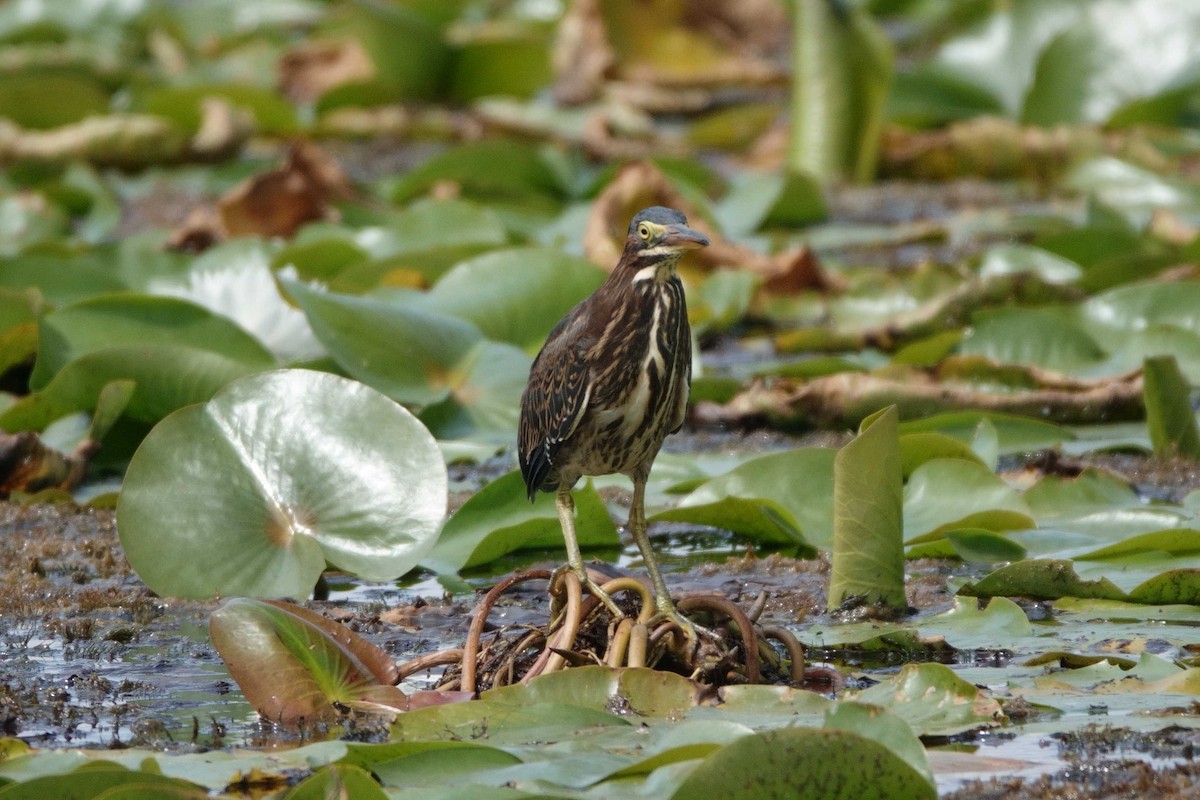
(684, 238)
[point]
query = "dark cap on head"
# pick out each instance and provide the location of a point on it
(659, 215)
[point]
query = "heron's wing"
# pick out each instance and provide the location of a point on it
(552, 407)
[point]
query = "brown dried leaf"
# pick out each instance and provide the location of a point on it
(279, 201)
(846, 398)
(308, 71)
(680, 45)
(28, 465)
(582, 56)
(641, 184)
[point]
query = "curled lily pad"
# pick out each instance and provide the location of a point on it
(253, 492)
(293, 664)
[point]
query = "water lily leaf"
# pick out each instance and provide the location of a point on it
(436, 763)
(761, 520)
(167, 377)
(273, 115)
(44, 100)
(425, 240)
(292, 664)
(970, 544)
(918, 448)
(1055, 496)
(786, 498)
(59, 279)
(485, 394)
(1174, 542)
(1008, 258)
(403, 351)
(767, 200)
(934, 700)
(499, 519)
(868, 550)
(508, 723)
(1044, 578)
(972, 624)
(1113, 315)
(722, 299)
(515, 295)
(1169, 414)
(116, 320)
(880, 725)
(320, 259)
(337, 780)
(946, 493)
(1041, 337)
(263, 484)
(512, 61)
(806, 764)
(410, 58)
(1014, 433)
(92, 780)
(490, 170)
(1173, 586)
(842, 69)
(646, 692)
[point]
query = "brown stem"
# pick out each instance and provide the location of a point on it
(792, 645)
(564, 639)
(428, 661)
(471, 647)
(737, 617)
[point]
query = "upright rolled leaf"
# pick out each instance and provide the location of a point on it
(841, 74)
(1169, 413)
(868, 529)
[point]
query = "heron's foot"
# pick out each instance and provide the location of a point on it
(590, 586)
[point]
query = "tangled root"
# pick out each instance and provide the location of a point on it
(729, 646)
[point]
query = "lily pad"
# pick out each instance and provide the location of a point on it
(253, 492)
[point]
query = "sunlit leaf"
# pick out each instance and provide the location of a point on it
(1014, 433)
(769, 200)
(257, 489)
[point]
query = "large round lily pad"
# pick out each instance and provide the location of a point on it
(254, 491)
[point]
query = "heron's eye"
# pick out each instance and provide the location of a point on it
(644, 231)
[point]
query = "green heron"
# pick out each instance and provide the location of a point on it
(611, 382)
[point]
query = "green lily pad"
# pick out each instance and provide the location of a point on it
(953, 493)
(293, 664)
(806, 764)
(782, 498)
(499, 519)
(1042, 578)
(254, 491)
(516, 295)
(337, 780)
(934, 700)
(119, 320)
